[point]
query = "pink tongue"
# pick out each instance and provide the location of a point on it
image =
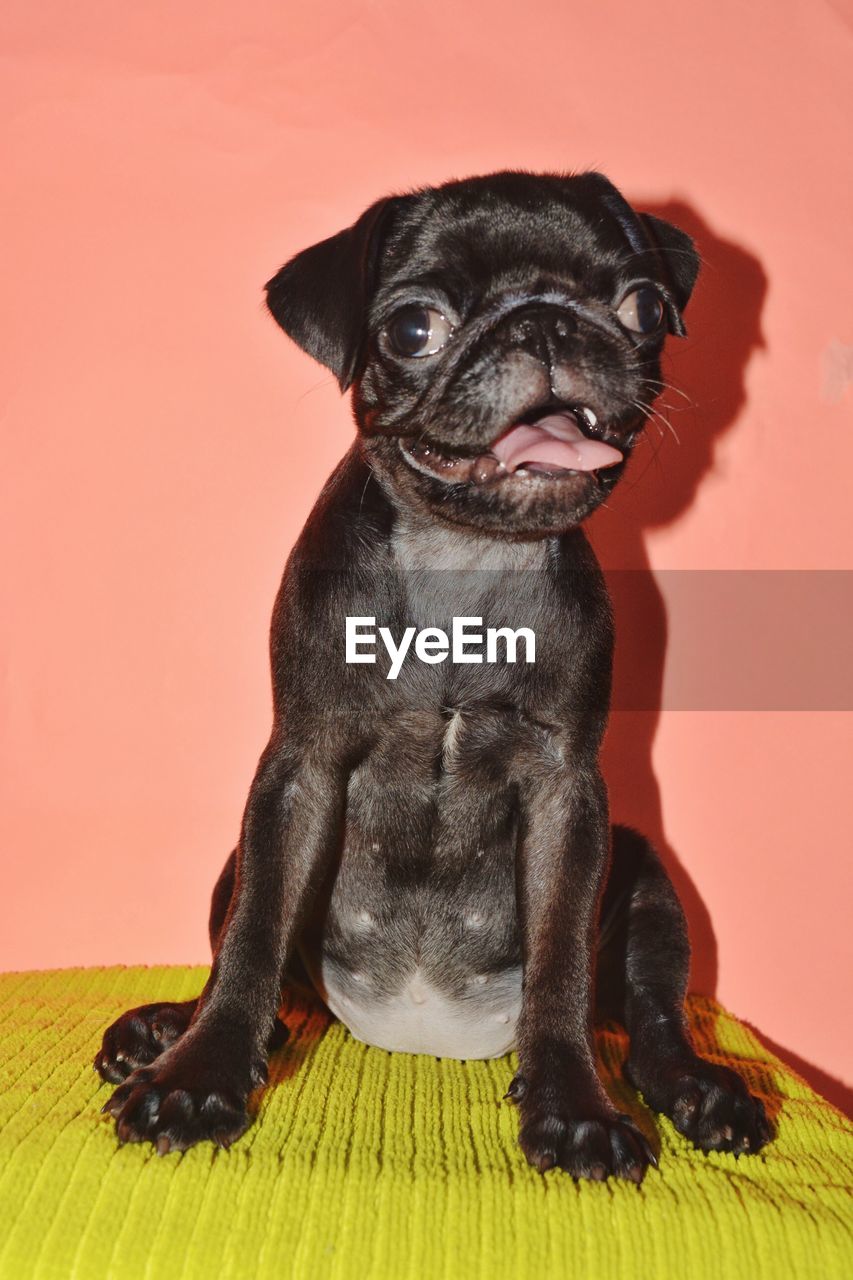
(555, 441)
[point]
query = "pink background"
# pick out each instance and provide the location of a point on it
(163, 442)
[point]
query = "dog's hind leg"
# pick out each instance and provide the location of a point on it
(645, 948)
(140, 1035)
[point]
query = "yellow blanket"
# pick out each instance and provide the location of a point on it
(367, 1164)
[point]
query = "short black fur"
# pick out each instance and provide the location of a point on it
(445, 836)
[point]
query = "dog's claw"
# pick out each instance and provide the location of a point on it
(544, 1160)
(260, 1075)
(517, 1089)
(643, 1141)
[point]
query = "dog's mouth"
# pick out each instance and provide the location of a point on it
(557, 443)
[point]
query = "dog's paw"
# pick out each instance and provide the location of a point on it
(139, 1036)
(595, 1146)
(712, 1107)
(184, 1098)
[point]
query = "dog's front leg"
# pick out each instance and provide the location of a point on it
(199, 1088)
(567, 1118)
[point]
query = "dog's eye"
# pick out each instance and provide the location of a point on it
(418, 331)
(641, 311)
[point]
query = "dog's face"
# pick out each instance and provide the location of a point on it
(503, 337)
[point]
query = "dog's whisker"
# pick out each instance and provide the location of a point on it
(665, 425)
(663, 385)
(658, 418)
(317, 386)
(370, 476)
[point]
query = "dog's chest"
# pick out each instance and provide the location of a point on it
(418, 946)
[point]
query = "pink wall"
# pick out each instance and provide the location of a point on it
(163, 442)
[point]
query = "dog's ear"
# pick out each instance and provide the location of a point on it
(664, 246)
(320, 296)
(680, 259)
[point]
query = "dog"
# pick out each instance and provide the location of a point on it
(426, 841)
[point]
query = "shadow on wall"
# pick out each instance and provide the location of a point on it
(705, 395)
(703, 399)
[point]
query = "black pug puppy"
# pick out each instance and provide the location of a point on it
(427, 836)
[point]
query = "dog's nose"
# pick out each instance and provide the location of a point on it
(540, 329)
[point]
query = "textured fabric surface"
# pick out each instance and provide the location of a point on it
(369, 1164)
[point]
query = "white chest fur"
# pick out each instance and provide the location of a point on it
(421, 1019)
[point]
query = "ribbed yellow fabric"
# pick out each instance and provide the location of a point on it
(368, 1164)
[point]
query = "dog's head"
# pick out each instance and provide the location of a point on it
(502, 335)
